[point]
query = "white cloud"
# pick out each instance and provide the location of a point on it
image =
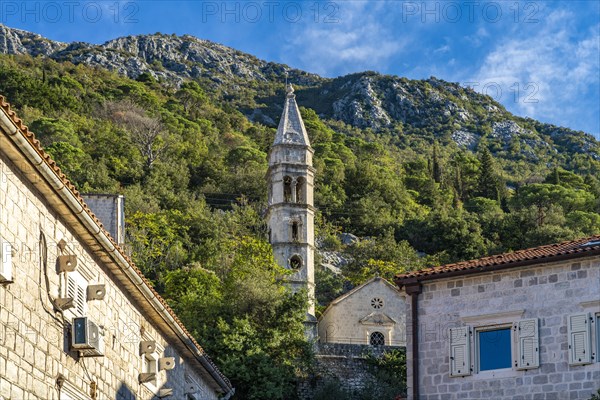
(442, 49)
(549, 75)
(357, 42)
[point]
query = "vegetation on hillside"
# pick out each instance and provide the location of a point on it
(192, 169)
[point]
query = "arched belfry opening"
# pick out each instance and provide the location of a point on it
(287, 189)
(300, 190)
(295, 231)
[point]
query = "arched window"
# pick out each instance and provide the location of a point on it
(295, 262)
(270, 232)
(300, 190)
(295, 230)
(287, 189)
(377, 339)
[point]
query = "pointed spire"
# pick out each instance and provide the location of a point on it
(291, 128)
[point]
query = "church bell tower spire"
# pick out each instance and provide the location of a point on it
(291, 212)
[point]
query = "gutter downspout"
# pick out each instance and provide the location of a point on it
(414, 289)
(73, 203)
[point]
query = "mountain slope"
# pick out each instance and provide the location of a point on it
(430, 108)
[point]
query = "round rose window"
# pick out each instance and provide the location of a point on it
(377, 303)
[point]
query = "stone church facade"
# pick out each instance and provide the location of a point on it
(78, 320)
(370, 314)
(515, 326)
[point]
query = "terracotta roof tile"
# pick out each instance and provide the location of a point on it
(30, 136)
(547, 253)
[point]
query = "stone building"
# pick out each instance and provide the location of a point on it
(110, 210)
(522, 325)
(78, 319)
(290, 215)
(373, 314)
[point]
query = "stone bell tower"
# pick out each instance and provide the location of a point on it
(291, 212)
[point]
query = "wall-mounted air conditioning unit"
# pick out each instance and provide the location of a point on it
(87, 338)
(5, 261)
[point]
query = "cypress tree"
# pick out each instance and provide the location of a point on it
(436, 167)
(488, 181)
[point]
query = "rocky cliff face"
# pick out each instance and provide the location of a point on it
(166, 57)
(364, 100)
(15, 41)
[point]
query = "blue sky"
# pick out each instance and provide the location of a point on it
(538, 58)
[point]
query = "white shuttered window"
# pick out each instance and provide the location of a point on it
(460, 351)
(580, 346)
(528, 353)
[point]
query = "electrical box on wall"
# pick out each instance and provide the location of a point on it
(147, 347)
(147, 377)
(166, 363)
(191, 391)
(67, 263)
(96, 292)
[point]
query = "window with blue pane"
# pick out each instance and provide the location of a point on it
(494, 349)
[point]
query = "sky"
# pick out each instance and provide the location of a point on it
(540, 59)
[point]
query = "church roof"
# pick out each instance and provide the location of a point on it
(103, 243)
(568, 250)
(291, 128)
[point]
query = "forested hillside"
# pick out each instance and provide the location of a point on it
(426, 173)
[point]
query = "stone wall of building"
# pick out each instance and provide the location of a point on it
(548, 292)
(34, 349)
(345, 363)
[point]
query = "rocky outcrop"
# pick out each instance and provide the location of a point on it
(16, 41)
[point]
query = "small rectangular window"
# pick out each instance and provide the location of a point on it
(494, 349)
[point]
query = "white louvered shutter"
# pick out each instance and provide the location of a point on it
(80, 302)
(71, 288)
(580, 347)
(460, 351)
(528, 348)
(76, 289)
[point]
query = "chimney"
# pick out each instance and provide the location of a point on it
(110, 210)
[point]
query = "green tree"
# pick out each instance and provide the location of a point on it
(488, 181)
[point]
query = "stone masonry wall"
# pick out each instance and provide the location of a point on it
(549, 292)
(109, 210)
(33, 344)
(343, 362)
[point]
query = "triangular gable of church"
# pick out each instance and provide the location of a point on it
(376, 280)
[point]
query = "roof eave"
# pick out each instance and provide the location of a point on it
(407, 280)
